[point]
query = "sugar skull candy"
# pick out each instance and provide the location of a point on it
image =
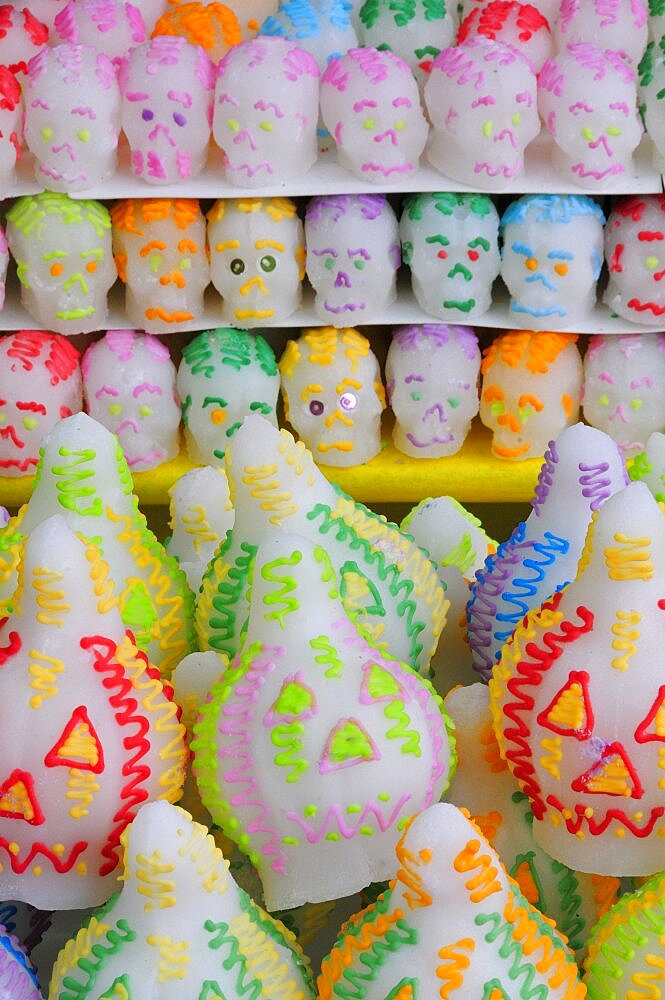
(552, 258)
(451, 244)
(432, 385)
(520, 25)
(635, 255)
(64, 259)
(531, 389)
(257, 259)
(620, 26)
(167, 89)
(266, 110)
(416, 32)
(4, 264)
(72, 117)
(548, 8)
(371, 106)
(582, 684)
(325, 28)
(624, 387)
(213, 26)
(333, 395)
(160, 250)
(588, 101)
(352, 255)
(652, 98)
(129, 387)
(224, 375)
(40, 383)
(22, 35)
(481, 98)
(11, 127)
(111, 26)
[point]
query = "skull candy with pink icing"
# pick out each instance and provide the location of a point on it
(635, 256)
(588, 100)
(620, 26)
(371, 106)
(72, 116)
(352, 256)
(167, 102)
(112, 26)
(129, 386)
(266, 109)
(522, 26)
(481, 98)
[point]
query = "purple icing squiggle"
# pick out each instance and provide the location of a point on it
(545, 478)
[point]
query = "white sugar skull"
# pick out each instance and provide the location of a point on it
(620, 26)
(46, 10)
(224, 375)
(22, 35)
(111, 26)
(481, 98)
(371, 106)
(521, 25)
(323, 27)
(4, 263)
(652, 98)
(352, 256)
(451, 244)
(624, 387)
(167, 89)
(588, 102)
(432, 386)
(552, 258)
(548, 8)
(257, 259)
(635, 255)
(416, 32)
(40, 383)
(72, 117)
(11, 127)
(129, 387)
(63, 253)
(266, 110)
(160, 251)
(333, 395)
(531, 389)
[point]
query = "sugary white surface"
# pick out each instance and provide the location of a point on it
(523, 26)
(129, 387)
(620, 26)
(324, 29)
(201, 514)
(432, 375)
(112, 26)
(353, 252)
(23, 35)
(333, 394)
(634, 241)
(652, 93)
(624, 387)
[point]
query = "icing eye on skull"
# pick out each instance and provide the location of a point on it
(316, 407)
(348, 401)
(237, 266)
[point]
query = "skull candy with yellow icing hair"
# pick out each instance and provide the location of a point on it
(333, 394)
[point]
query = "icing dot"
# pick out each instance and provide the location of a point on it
(316, 407)
(147, 115)
(348, 401)
(237, 265)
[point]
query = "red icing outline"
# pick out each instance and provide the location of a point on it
(26, 779)
(641, 735)
(580, 677)
(573, 825)
(53, 759)
(616, 749)
(12, 648)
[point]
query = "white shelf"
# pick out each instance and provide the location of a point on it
(326, 176)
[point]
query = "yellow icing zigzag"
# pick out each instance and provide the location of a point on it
(43, 672)
(49, 598)
(173, 957)
(626, 637)
(202, 850)
(452, 972)
(263, 960)
(150, 872)
(266, 487)
(485, 881)
(630, 560)
(198, 526)
(78, 947)
(81, 786)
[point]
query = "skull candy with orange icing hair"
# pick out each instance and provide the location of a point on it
(160, 251)
(531, 389)
(212, 26)
(333, 394)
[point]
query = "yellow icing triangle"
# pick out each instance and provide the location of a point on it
(568, 709)
(16, 800)
(80, 745)
(612, 779)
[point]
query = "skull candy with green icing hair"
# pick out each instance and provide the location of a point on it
(180, 927)
(340, 743)
(64, 260)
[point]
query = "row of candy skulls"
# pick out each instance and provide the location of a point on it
(256, 251)
(527, 388)
(368, 101)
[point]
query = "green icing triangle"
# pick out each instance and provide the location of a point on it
(406, 989)
(348, 742)
(381, 684)
(293, 700)
(211, 991)
(118, 990)
(138, 613)
(495, 991)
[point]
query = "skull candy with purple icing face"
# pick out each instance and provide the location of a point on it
(129, 386)
(624, 387)
(371, 106)
(451, 243)
(72, 117)
(352, 255)
(588, 101)
(266, 109)
(167, 89)
(432, 385)
(481, 98)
